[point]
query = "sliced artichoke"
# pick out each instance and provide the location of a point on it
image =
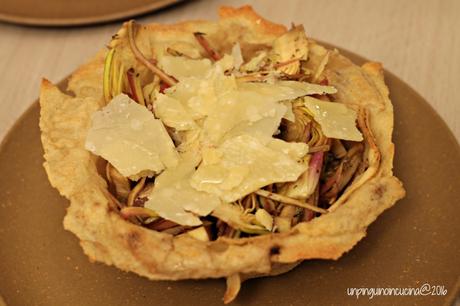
(291, 47)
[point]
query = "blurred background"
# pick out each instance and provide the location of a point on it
(419, 41)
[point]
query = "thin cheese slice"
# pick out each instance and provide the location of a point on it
(199, 95)
(336, 119)
(262, 129)
(231, 108)
(289, 115)
(128, 136)
(286, 90)
(173, 113)
(174, 199)
(243, 164)
(296, 150)
(254, 109)
(226, 63)
(185, 167)
(181, 67)
(255, 62)
(237, 56)
(242, 112)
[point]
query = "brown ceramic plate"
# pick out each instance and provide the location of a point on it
(413, 243)
(75, 12)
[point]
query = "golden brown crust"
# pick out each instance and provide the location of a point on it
(246, 13)
(107, 238)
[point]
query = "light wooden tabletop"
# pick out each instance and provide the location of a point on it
(419, 41)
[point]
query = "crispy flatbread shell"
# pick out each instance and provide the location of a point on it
(106, 237)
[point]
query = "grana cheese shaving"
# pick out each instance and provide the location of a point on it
(128, 136)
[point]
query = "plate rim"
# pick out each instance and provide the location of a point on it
(91, 20)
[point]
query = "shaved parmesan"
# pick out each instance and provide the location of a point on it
(190, 141)
(199, 95)
(253, 109)
(186, 166)
(286, 90)
(321, 67)
(336, 119)
(128, 136)
(255, 62)
(173, 113)
(231, 108)
(237, 56)
(174, 199)
(262, 129)
(181, 67)
(296, 150)
(246, 165)
(181, 203)
(302, 188)
(231, 61)
(226, 63)
(317, 55)
(242, 112)
(289, 115)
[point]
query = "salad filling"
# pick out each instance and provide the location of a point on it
(225, 143)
